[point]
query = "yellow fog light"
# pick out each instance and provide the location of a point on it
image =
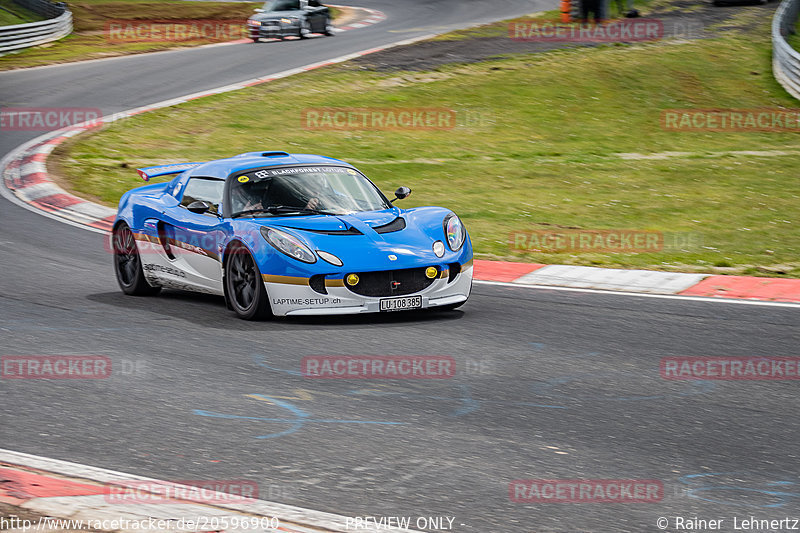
(431, 272)
(352, 279)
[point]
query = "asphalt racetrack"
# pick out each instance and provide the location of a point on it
(551, 384)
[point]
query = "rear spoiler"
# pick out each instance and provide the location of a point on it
(165, 170)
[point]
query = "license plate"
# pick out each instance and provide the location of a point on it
(401, 304)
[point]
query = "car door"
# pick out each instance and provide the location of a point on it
(191, 240)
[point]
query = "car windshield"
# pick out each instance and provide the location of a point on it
(304, 190)
(282, 5)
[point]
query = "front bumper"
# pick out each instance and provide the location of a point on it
(295, 298)
(273, 30)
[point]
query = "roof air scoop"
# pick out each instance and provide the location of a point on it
(274, 154)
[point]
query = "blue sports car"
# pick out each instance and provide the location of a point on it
(288, 234)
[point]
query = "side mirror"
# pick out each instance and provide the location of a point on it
(199, 207)
(258, 10)
(401, 193)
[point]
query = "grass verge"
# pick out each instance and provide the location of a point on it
(569, 138)
(11, 14)
(501, 28)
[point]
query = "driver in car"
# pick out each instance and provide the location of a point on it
(317, 186)
(248, 196)
(291, 191)
(312, 190)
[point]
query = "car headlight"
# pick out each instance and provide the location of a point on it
(454, 231)
(288, 21)
(438, 248)
(330, 258)
(254, 22)
(288, 244)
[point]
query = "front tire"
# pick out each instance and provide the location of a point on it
(305, 29)
(128, 264)
(245, 289)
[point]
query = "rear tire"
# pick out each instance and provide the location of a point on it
(128, 264)
(329, 28)
(245, 289)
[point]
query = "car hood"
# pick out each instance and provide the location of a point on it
(272, 15)
(370, 219)
(370, 250)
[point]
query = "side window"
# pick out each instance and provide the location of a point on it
(204, 189)
(314, 3)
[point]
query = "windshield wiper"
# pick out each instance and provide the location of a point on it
(248, 212)
(274, 209)
(281, 209)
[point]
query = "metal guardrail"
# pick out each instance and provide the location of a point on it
(45, 8)
(21, 36)
(785, 59)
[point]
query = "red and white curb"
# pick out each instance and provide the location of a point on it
(743, 289)
(647, 281)
(61, 489)
(27, 176)
(373, 17)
